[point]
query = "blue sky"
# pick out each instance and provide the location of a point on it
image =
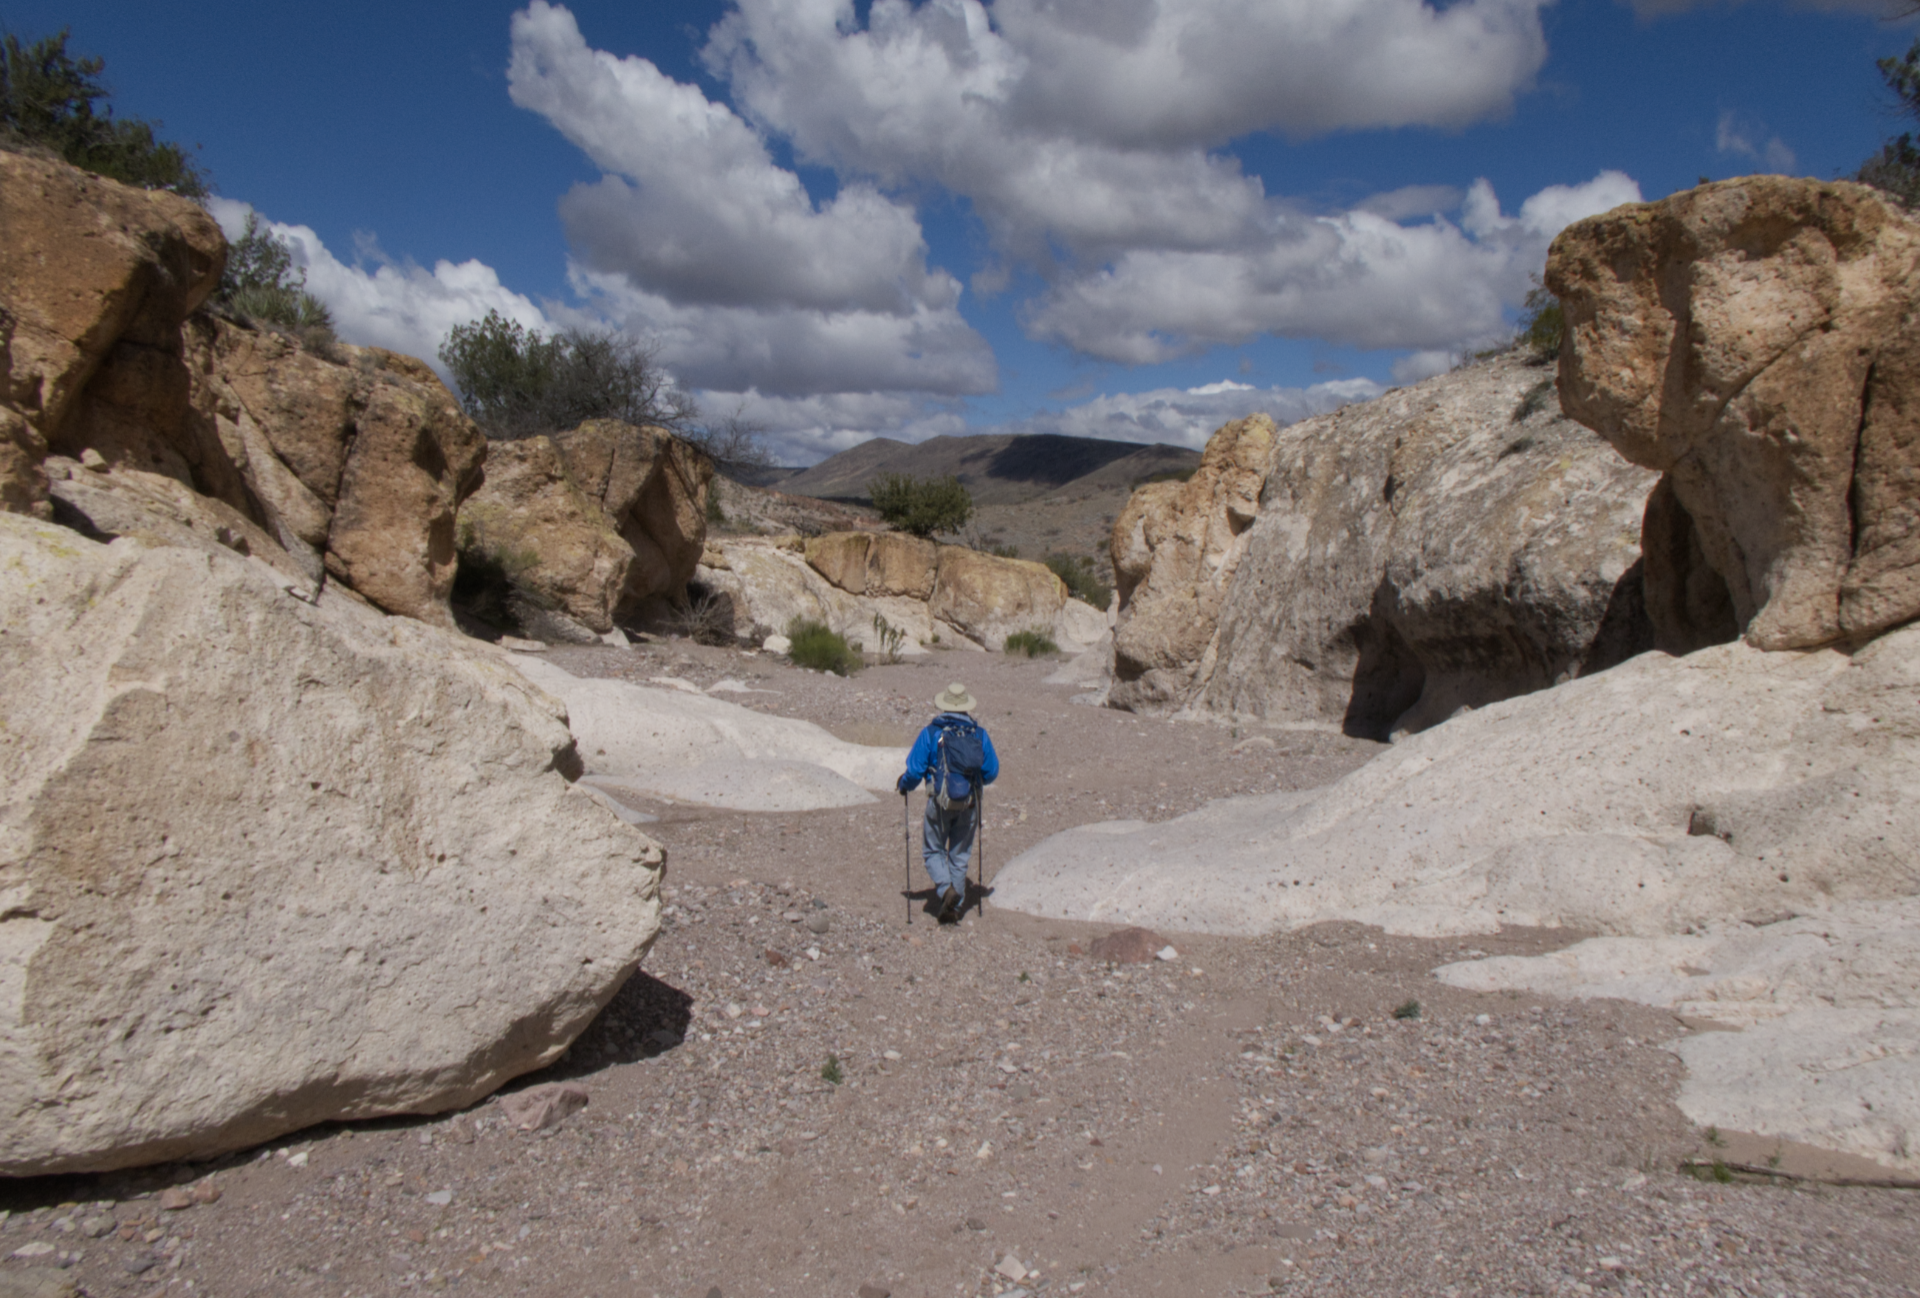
(1123, 218)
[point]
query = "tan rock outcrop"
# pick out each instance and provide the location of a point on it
(654, 487)
(353, 462)
(987, 598)
(1175, 549)
(531, 522)
(937, 595)
(90, 269)
(1444, 546)
(324, 866)
(1754, 340)
(876, 563)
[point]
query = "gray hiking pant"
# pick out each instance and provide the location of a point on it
(947, 845)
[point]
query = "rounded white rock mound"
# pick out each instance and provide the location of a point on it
(266, 863)
(638, 733)
(766, 785)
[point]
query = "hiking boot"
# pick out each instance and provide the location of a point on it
(951, 905)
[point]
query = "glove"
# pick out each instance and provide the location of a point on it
(906, 785)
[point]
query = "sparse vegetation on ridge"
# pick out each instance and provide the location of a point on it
(1031, 643)
(1895, 170)
(54, 101)
(262, 284)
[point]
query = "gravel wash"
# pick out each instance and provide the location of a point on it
(802, 1094)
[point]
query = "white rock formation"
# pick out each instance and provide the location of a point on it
(639, 734)
(265, 863)
(1686, 807)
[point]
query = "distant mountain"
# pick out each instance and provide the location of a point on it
(1003, 469)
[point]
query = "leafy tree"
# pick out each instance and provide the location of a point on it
(1082, 582)
(50, 99)
(262, 283)
(921, 506)
(1896, 168)
(518, 383)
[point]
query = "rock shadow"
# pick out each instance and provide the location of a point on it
(646, 1018)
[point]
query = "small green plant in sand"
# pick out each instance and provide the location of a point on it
(889, 636)
(1410, 1009)
(816, 646)
(1030, 643)
(831, 1071)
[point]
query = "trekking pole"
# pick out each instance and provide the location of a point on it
(906, 847)
(980, 843)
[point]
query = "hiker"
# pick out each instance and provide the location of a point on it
(955, 754)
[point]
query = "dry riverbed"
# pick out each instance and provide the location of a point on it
(803, 1094)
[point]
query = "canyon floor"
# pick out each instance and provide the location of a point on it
(802, 1093)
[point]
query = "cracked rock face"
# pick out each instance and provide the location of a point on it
(1754, 340)
(267, 862)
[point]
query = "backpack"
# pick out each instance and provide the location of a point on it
(961, 752)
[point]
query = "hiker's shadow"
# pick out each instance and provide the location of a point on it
(927, 901)
(645, 1018)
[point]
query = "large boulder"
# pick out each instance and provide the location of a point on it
(268, 861)
(876, 563)
(654, 486)
(1755, 341)
(550, 541)
(987, 598)
(1175, 548)
(1447, 545)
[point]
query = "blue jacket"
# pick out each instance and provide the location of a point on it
(926, 751)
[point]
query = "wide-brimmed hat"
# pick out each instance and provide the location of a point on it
(955, 699)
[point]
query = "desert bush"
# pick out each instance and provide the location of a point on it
(1001, 551)
(1031, 643)
(921, 506)
(262, 284)
(1165, 475)
(51, 100)
(707, 616)
(1083, 583)
(1542, 324)
(515, 382)
(817, 646)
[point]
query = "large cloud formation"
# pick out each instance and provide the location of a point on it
(1091, 140)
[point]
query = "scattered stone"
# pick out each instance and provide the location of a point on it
(818, 923)
(176, 1198)
(1166, 953)
(96, 1226)
(1011, 1267)
(874, 1291)
(777, 960)
(440, 1198)
(540, 1107)
(1128, 946)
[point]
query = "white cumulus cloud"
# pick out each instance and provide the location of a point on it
(1188, 416)
(697, 237)
(401, 307)
(1742, 139)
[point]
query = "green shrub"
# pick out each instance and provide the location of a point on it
(1542, 325)
(831, 1072)
(261, 283)
(48, 98)
(817, 646)
(921, 506)
(1407, 1010)
(515, 382)
(1030, 643)
(891, 637)
(1081, 580)
(1004, 551)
